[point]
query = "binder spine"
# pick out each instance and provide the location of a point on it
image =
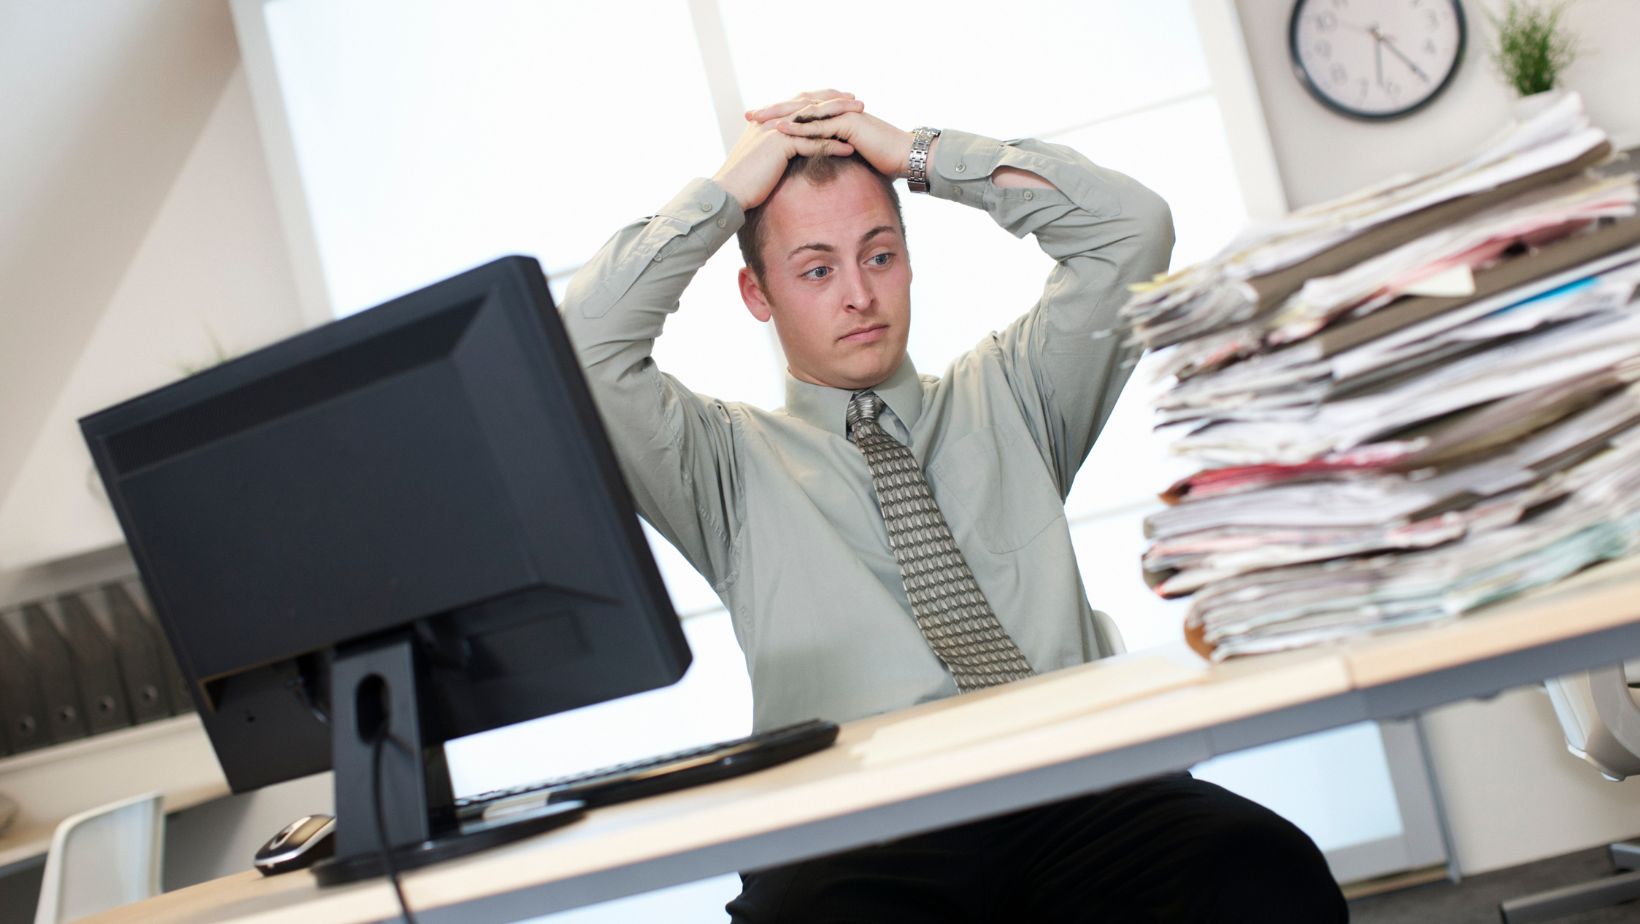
(65, 714)
(22, 707)
(142, 657)
(96, 667)
(176, 686)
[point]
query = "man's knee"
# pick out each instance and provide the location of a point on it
(1254, 858)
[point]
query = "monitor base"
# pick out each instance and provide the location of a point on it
(472, 837)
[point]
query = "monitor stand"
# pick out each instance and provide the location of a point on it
(379, 736)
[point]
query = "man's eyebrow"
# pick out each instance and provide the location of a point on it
(802, 247)
(827, 248)
(874, 232)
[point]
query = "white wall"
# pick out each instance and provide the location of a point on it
(1511, 792)
(210, 272)
(1321, 154)
(102, 102)
(205, 261)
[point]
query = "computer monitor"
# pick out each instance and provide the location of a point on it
(396, 529)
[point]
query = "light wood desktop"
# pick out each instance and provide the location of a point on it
(1036, 741)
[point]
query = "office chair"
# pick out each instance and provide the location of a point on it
(1601, 719)
(101, 859)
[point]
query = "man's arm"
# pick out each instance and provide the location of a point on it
(674, 446)
(1067, 358)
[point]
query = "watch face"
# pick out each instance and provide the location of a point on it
(1376, 59)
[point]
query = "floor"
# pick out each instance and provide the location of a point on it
(1475, 900)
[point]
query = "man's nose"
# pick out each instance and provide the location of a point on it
(857, 292)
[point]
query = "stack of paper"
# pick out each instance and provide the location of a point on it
(1405, 403)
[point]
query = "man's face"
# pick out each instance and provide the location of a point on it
(836, 280)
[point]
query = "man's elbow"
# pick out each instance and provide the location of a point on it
(1153, 221)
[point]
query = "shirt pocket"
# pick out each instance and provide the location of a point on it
(1009, 504)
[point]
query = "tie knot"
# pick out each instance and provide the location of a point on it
(864, 406)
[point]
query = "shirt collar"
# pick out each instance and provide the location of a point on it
(827, 407)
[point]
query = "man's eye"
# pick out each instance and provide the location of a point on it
(882, 259)
(819, 272)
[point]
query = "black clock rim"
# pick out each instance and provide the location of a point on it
(1343, 110)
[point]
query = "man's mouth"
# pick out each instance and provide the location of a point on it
(865, 334)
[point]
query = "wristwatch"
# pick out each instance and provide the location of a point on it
(917, 167)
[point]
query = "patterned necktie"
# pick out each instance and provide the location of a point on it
(949, 607)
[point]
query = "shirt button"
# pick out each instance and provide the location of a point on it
(1029, 195)
(706, 206)
(723, 222)
(961, 167)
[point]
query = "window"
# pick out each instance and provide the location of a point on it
(430, 137)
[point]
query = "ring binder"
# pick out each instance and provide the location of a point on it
(54, 665)
(96, 667)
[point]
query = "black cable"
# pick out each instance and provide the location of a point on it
(381, 824)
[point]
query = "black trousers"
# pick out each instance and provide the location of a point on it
(1169, 849)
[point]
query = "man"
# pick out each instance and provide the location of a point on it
(889, 538)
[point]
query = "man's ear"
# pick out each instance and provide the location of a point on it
(751, 292)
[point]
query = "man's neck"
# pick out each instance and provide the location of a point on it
(824, 406)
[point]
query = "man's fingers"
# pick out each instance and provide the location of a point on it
(830, 125)
(826, 110)
(785, 108)
(812, 147)
(813, 107)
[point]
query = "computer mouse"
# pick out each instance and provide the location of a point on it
(298, 845)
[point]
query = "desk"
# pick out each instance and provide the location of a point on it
(926, 767)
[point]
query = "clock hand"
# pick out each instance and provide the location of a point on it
(1378, 56)
(1386, 40)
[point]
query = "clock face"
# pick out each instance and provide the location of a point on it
(1376, 59)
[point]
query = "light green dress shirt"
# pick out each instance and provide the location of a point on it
(776, 508)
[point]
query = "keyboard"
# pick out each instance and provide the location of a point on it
(654, 775)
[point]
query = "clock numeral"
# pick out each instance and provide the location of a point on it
(1322, 48)
(1429, 47)
(1392, 90)
(1325, 22)
(1339, 75)
(1363, 88)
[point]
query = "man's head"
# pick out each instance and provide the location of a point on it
(826, 261)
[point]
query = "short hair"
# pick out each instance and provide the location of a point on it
(819, 170)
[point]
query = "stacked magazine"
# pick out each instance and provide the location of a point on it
(1405, 403)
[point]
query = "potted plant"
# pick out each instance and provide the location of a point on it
(1532, 50)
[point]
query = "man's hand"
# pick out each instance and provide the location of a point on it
(759, 157)
(885, 147)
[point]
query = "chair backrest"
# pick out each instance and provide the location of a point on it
(8, 812)
(1601, 718)
(103, 858)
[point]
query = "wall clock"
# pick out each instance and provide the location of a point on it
(1376, 59)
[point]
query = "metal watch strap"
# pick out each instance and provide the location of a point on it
(917, 166)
